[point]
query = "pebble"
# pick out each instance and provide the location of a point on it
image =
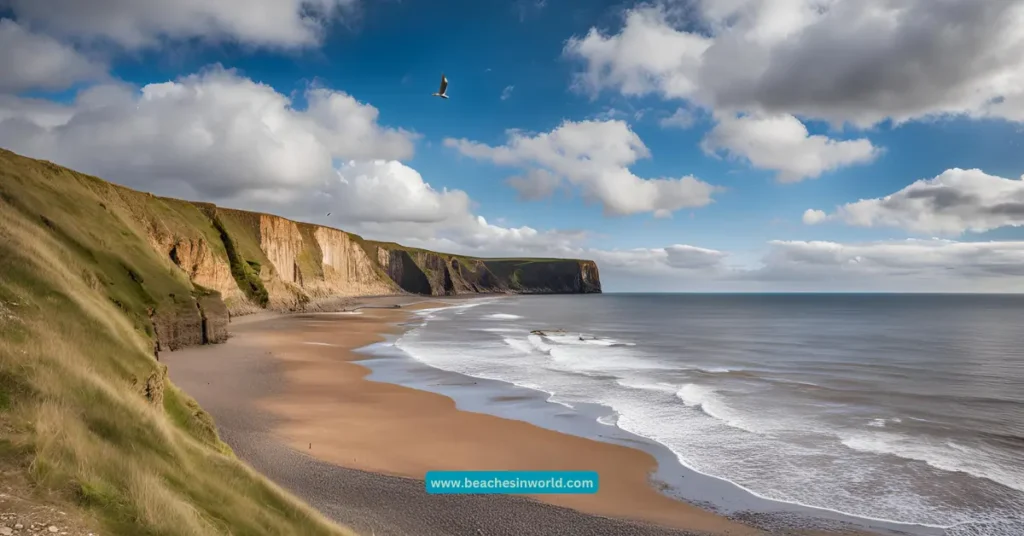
(6, 531)
(52, 528)
(18, 526)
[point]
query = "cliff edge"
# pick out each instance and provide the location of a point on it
(233, 262)
(96, 280)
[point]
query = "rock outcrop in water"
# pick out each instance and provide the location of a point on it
(206, 262)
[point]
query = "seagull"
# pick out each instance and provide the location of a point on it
(444, 88)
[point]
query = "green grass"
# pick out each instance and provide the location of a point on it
(311, 257)
(185, 219)
(244, 229)
(85, 410)
(246, 273)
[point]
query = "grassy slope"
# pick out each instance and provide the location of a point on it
(85, 410)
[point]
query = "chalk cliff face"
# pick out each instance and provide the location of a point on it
(438, 274)
(219, 261)
(347, 270)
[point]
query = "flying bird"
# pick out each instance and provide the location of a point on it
(444, 88)
(328, 213)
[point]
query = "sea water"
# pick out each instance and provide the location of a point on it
(901, 408)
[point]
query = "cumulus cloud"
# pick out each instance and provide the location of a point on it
(692, 257)
(389, 191)
(41, 112)
(860, 61)
(213, 134)
(782, 143)
(648, 55)
(34, 61)
(814, 217)
(142, 23)
(952, 203)
(507, 92)
(595, 156)
(535, 184)
(217, 136)
(681, 118)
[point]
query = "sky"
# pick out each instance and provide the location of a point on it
(684, 145)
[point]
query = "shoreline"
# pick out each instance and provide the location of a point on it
(289, 394)
(440, 429)
(390, 364)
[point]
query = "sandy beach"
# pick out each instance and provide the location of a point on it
(288, 398)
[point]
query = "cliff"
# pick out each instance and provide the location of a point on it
(206, 262)
(285, 265)
(96, 280)
(254, 261)
(425, 272)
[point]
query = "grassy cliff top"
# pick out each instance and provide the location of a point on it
(88, 419)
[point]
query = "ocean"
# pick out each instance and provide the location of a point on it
(888, 409)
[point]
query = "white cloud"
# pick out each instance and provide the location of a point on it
(693, 258)
(389, 191)
(814, 217)
(595, 155)
(952, 203)
(782, 143)
(888, 266)
(648, 55)
(35, 61)
(681, 118)
(860, 61)
(536, 184)
(217, 136)
(41, 112)
(142, 23)
(819, 266)
(507, 92)
(893, 261)
(213, 134)
(349, 128)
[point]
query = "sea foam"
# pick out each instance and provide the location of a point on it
(693, 407)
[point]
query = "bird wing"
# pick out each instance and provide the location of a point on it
(444, 84)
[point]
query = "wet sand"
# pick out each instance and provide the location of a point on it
(288, 398)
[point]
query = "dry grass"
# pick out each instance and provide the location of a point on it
(86, 414)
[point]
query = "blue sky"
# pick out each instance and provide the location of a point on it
(308, 107)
